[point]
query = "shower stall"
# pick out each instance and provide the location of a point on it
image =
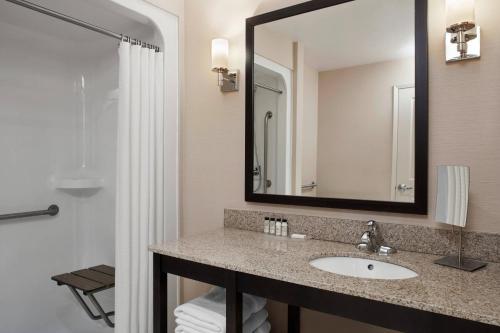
(272, 127)
(58, 141)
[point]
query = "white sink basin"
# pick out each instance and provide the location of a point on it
(363, 268)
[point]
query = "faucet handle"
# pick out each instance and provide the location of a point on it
(366, 237)
(385, 250)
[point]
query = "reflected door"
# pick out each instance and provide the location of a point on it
(404, 142)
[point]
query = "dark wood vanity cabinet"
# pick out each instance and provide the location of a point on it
(377, 313)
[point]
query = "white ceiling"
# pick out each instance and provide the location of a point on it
(354, 33)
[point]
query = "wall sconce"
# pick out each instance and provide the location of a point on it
(462, 33)
(227, 79)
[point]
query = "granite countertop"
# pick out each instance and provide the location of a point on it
(474, 296)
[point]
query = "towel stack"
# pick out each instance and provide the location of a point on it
(207, 314)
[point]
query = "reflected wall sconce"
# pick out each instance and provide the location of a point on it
(462, 34)
(227, 79)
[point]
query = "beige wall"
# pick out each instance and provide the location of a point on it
(355, 129)
(464, 110)
(274, 47)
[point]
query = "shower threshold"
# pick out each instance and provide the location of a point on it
(89, 282)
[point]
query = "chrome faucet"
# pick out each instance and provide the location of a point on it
(369, 238)
(370, 241)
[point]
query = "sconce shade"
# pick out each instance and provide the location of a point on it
(452, 195)
(220, 53)
(459, 11)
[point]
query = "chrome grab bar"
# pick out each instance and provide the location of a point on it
(51, 211)
(309, 186)
(265, 86)
(268, 116)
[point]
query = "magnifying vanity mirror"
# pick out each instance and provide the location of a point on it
(336, 105)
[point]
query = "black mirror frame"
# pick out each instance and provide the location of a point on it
(419, 206)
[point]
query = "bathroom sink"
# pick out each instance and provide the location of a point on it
(363, 268)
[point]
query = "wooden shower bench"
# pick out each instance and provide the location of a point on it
(90, 281)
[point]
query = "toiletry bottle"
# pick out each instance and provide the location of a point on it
(272, 226)
(284, 228)
(266, 225)
(278, 227)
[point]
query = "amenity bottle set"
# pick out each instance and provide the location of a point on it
(278, 227)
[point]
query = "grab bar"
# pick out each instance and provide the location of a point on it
(265, 86)
(51, 211)
(268, 116)
(309, 186)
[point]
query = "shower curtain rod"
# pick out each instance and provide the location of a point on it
(80, 23)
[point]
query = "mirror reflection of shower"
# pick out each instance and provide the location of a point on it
(272, 130)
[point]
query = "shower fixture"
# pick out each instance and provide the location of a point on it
(267, 182)
(257, 171)
(83, 177)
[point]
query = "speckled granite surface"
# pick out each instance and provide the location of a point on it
(473, 296)
(482, 246)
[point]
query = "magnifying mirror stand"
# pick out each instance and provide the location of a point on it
(458, 261)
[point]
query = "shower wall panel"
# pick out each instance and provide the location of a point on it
(45, 84)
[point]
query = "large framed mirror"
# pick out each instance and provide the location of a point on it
(336, 105)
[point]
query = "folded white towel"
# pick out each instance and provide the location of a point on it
(185, 329)
(264, 328)
(208, 312)
(254, 322)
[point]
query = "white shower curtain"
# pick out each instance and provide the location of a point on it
(140, 185)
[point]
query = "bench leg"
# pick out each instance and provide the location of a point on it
(103, 314)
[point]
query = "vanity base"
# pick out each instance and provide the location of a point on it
(377, 313)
